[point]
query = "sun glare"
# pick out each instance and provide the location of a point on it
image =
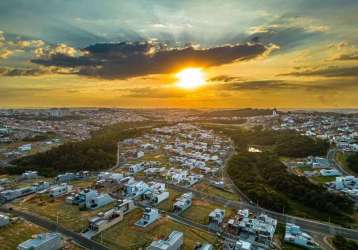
(190, 78)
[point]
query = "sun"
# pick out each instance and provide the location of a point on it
(190, 78)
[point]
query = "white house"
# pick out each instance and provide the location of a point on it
(174, 242)
(4, 220)
(294, 235)
(43, 241)
(60, 190)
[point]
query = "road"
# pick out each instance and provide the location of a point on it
(53, 227)
(331, 156)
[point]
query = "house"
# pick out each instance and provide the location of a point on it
(330, 172)
(90, 199)
(243, 245)
(183, 202)
(60, 190)
(136, 168)
(4, 220)
(30, 175)
(217, 216)
(319, 162)
(109, 177)
(156, 193)
(174, 242)
(205, 246)
(135, 189)
(294, 235)
(66, 177)
(150, 215)
(43, 241)
(140, 154)
(25, 148)
(261, 227)
(106, 220)
(41, 186)
(12, 194)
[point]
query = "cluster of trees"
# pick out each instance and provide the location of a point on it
(352, 162)
(96, 153)
(342, 243)
(265, 179)
(283, 142)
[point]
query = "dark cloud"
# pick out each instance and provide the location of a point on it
(328, 72)
(125, 60)
(32, 71)
(348, 57)
(258, 85)
(224, 78)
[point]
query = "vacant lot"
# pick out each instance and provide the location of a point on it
(210, 190)
(17, 232)
(68, 215)
(200, 210)
(126, 235)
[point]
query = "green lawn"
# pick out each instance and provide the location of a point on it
(323, 179)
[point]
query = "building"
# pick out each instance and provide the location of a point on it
(133, 189)
(174, 242)
(249, 226)
(217, 216)
(106, 220)
(294, 235)
(150, 215)
(330, 172)
(90, 199)
(43, 241)
(29, 175)
(66, 177)
(60, 190)
(4, 220)
(12, 194)
(182, 203)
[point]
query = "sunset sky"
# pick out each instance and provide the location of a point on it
(111, 53)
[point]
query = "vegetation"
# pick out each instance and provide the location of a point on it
(98, 152)
(285, 143)
(266, 181)
(39, 137)
(352, 162)
(342, 243)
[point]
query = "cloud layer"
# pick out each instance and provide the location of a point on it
(126, 59)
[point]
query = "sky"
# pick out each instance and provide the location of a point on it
(113, 53)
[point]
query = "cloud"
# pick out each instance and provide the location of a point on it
(30, 43)
(5, 53)
(5, 71)
(327, 72)
(126, 59)
(154, 93)
(348, 57)
(258, 85)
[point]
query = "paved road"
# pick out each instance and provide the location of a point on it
(331, 156)
(52, 226)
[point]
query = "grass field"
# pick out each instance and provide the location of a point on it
(17, 232)
(200, 210)
(69, 215)
(167, 205)
(206, 188)
(125, 235)
(323, 179)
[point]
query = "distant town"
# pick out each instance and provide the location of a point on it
(246, 179)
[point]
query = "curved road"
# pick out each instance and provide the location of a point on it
(331, 156)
